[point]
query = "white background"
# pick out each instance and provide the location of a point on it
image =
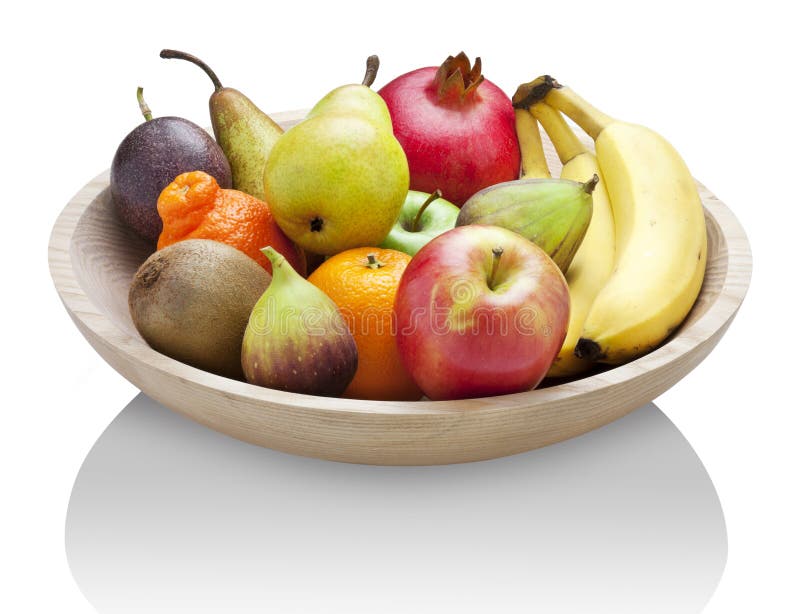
(718, 79)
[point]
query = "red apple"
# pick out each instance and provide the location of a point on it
(480, 311)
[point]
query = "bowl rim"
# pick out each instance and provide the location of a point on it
(82, 309)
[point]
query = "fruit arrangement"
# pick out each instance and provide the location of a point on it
(408, 242)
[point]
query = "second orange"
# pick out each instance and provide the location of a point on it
(195, 207)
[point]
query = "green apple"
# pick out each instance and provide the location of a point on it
(422, 218)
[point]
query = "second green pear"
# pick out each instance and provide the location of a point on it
(338, 179)
(244, 132)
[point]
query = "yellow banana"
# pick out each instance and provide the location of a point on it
(594, 261)
(534, 164)
(660, 231)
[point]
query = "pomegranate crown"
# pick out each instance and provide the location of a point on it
(456, 79)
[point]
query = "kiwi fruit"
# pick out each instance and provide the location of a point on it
(192, 300)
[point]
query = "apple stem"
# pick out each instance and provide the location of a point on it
(415, 223)
(373, 262)
(496, 253)
(372, 70)
(590, 185)
(148, 114)
(172, 54)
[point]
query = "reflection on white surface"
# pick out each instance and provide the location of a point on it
(168, 516)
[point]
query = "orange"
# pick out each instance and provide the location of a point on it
(363, 282)
(195, 207)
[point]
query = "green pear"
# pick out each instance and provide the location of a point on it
(338, 179)
(244, 132)
(552, 213)
(296, 339)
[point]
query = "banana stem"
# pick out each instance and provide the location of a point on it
(533, 91)
(534, 163)
(591, 119)
(148, 114)
(564, 139)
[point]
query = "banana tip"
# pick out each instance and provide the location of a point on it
(586, 349)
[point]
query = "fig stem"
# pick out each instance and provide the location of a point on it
(415, 223)
(373, 262)
(372, 70)
(172, 54)
(148, 114)
(496, 253)
(275, 257)
(590, 185)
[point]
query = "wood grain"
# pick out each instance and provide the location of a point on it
(93, 258)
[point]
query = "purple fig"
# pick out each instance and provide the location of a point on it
(296, 339)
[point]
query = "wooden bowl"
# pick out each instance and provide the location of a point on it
(93, 258)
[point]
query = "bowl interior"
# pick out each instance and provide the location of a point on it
(105, 255)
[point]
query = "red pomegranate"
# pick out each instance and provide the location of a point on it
(456, 128)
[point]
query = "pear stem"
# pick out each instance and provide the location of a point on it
(372, 70)
(590, 185)
(373, 262)
(172, 54)
(418, 216)
(148, 114)
(496, 253)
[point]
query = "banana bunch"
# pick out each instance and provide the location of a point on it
(641, 265)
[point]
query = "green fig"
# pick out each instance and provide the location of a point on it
(296, 339)
(244, 132)
(552, 213)
(338, 179)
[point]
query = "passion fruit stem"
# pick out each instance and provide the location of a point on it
(372, 70)
(590, 185)
(148, 114)
(415, 223)
(172, 54)
(496, 253)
